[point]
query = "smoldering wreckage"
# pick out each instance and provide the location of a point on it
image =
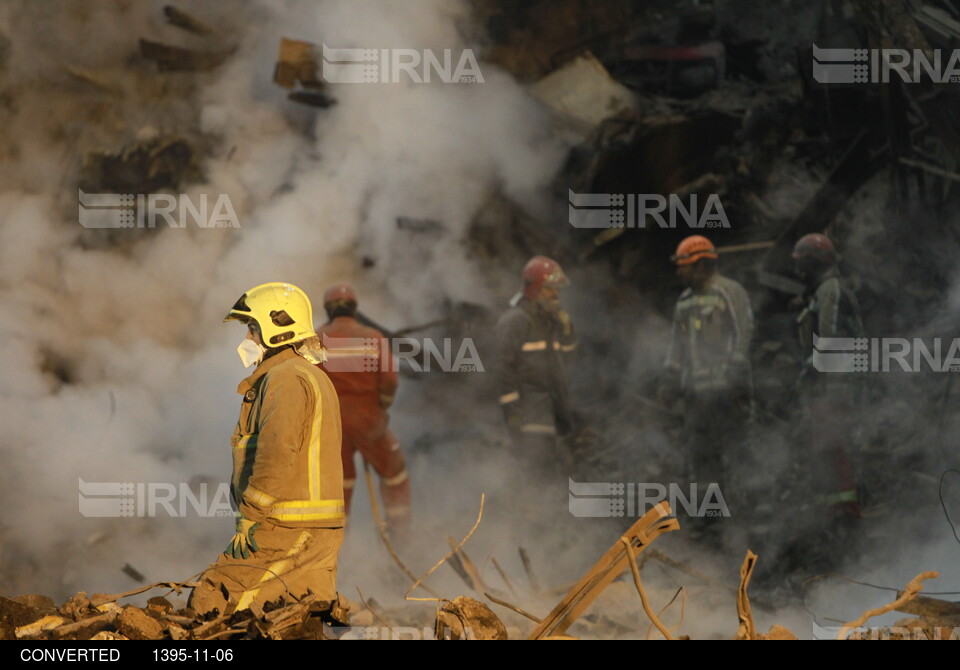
(702, 117)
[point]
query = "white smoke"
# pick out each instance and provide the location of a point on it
(116, 367)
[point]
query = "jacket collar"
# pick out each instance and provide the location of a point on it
(264, 368)
(707, 285)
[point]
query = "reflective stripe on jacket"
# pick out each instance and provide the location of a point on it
(359, 362)
(712, 333)
(286, 446)
(531, 346)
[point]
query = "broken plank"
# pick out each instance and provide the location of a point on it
(312, 99)
(457, 566)
(504, 603)
(503, 576)
(932, 608)
(133, 573)
(178, 59)
(749, 246)
(528, 568)
(296, 62)
(470, 568)
(932, 169)
(181, 19)
(90, 623)
(658, 520)
(747, 629)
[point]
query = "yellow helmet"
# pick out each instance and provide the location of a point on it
(282, 311)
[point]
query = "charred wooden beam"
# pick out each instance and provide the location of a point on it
(178, 59)
(181, 19)
(658, 520)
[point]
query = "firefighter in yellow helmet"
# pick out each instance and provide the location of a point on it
(287, 474)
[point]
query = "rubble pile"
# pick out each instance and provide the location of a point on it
(597, 606)
(101, 617)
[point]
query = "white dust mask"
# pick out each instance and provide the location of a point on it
(250, 352)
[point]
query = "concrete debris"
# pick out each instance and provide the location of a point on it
(39, 626)
(147, 166)
(159, 606)
(42, 604)
(296, 64)
(597, 604)
(107, 635)
(464, 618)
(583, 95)
(137, 625)
(297, 70)
(14, 615)
(776, 632)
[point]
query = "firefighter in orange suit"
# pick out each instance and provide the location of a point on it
(287, 476)
(361, 368)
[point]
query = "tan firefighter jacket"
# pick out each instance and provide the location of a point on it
(287, 468)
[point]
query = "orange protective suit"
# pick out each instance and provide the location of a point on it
(362, 370)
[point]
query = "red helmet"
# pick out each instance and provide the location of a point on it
(541, 271)
(337, 292)
(815, 245)
(692, 249)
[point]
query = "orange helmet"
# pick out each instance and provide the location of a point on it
(337, 292)
(541, 271)
(692, 249)
(817, 246)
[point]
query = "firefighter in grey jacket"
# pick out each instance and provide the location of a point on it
(533, 337)
(708, 363)
(832, 312)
